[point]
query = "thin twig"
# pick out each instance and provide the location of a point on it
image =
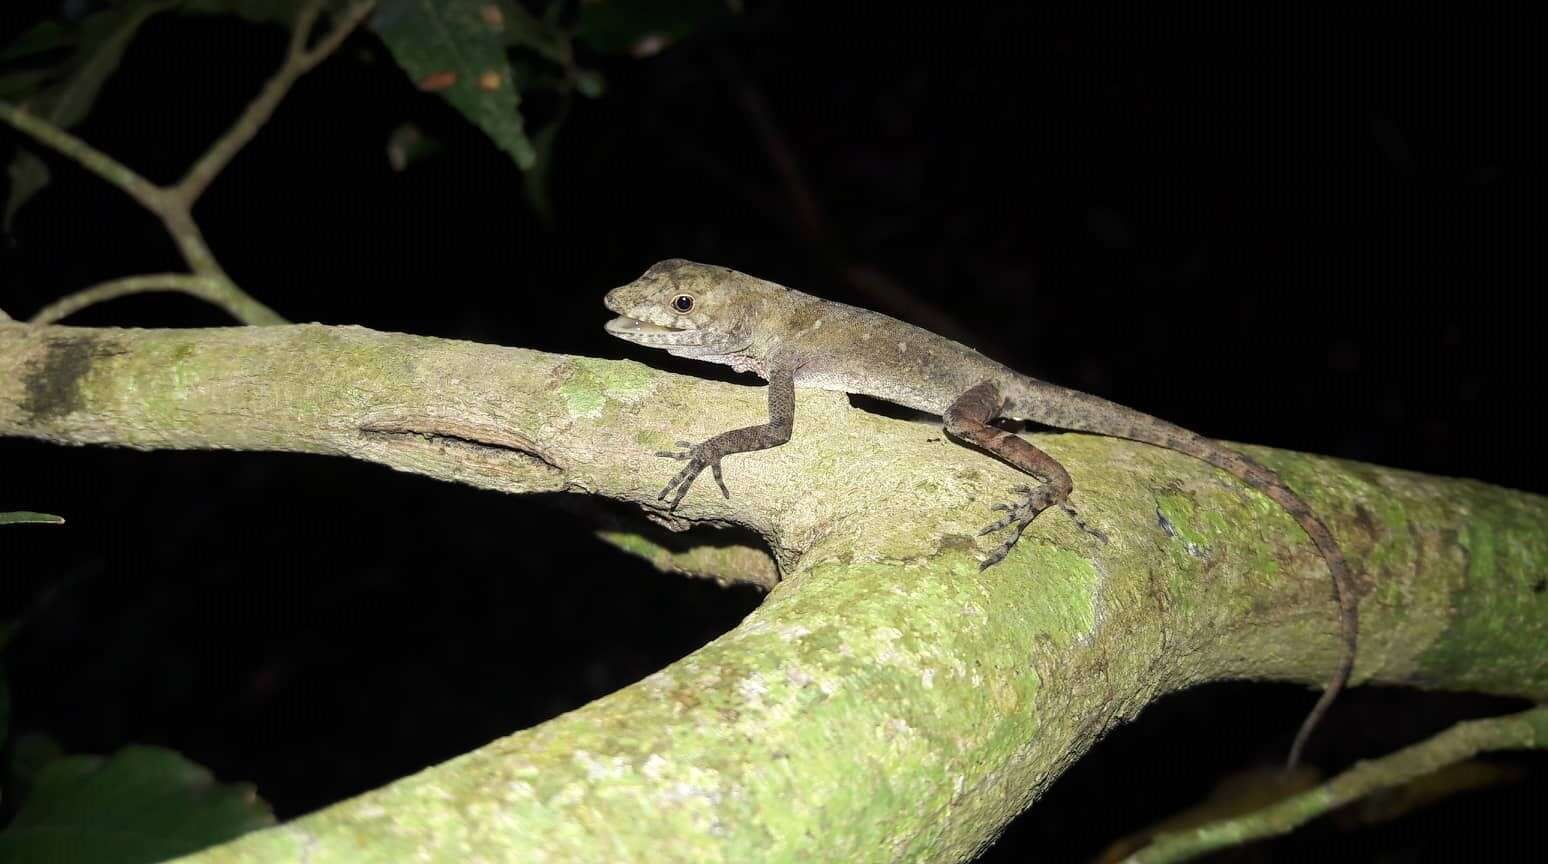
(1525, 730)
(190, 242)
(298, 61)
(150, 196)
(174, 204)
(215, 290)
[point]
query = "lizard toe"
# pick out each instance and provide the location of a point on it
(1002, 522)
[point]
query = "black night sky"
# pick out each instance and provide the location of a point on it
(1311, 230)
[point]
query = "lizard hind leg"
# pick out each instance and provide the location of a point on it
(968, 419)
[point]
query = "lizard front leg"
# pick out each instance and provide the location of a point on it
(968, 419)
(708, 454)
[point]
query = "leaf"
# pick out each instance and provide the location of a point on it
(456, 48)
(25, 517)
(142, 804)
(104, 36)
(102, 40)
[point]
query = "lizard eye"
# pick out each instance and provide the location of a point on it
(683, 303)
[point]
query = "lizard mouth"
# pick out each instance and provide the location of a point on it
(646, 333)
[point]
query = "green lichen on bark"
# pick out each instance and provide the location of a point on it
(1498, 625)
(590, 384)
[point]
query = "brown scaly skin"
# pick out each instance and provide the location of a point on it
(794, 340)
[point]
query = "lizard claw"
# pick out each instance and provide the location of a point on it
(1020, 515)
(685, 453)
(1001, 522)
(1081, 523)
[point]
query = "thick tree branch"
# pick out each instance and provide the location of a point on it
(888, 700)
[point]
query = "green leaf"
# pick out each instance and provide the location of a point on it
(142, 804)
(104, 36)
(102, 39)
(21, 517)
(457, 48)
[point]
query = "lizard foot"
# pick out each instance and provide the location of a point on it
(698, 456)
(1020, 514)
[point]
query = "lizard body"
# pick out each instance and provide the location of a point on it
(791, 339)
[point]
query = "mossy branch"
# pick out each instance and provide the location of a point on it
(887, 700)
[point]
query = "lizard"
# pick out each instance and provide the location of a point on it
(791, 339)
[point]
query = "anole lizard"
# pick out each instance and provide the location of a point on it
(791, 339)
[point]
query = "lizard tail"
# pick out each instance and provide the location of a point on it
(1349, 610)
(1071, 409)
(1269, 484)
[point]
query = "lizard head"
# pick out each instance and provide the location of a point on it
(691, 310)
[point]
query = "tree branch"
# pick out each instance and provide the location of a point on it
(173, 205)
(149, 195)
(209, 289)
(886, 691)
(298, 61)
(1526, 730)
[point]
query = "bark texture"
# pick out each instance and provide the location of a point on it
(887, 701)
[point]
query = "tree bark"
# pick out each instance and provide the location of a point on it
(887, 701)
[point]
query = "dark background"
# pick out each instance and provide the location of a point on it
(1312, 231)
